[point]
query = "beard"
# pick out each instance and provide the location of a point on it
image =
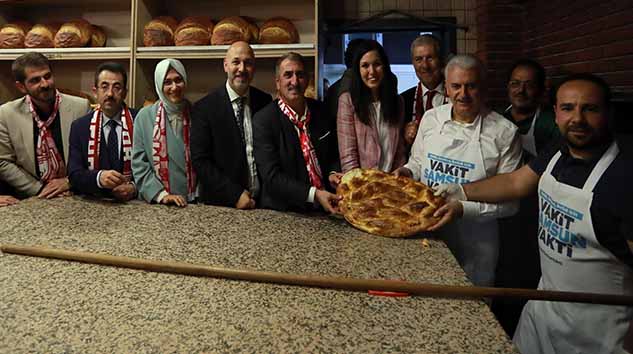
(591, 138)
(46, 95)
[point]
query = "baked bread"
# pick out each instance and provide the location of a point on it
(278, 30)
(98, 38)
(386, 205)
(253, 29)
(76, 33)
(12, 34)
(160, 31)
(194, 30)
(231, 30)
(41, 36)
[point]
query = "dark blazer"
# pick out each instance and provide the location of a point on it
(217, 152)
(280, 163)
(83, 180)
(409, 97)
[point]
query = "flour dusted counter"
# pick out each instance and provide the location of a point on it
(58, 306)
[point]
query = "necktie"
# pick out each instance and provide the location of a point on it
(239, 117)
(429, 99)
(113, 145)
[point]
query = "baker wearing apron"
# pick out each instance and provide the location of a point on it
(475, 244)
(577, 263)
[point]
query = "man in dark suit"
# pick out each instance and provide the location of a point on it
(222, 135)
(294, 146)
(100, 150)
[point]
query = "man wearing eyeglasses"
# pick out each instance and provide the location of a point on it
(101, 141)
(526, 86)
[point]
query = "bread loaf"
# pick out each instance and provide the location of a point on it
(194, 30)
(253, 29)
(76, 33)
(160, 31)
(98, 38)
(41, 36)
(278, 30)
(231, 30)
(12, 34)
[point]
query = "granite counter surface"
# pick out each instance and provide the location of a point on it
(64, 307)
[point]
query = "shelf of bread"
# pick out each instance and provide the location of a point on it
(219, 51)
(104, 53)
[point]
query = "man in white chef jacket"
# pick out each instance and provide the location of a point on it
(585, 224)
(462, 142)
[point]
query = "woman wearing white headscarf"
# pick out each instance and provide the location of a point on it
(161, 162)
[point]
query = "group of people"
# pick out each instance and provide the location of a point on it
(237, 147)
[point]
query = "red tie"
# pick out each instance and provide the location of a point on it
(429, 99)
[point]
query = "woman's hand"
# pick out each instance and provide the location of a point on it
(174, 199)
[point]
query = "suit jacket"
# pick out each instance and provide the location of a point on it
(17, 153)
(217, 152)
(409, 97)
(82, 179)
(358, 143)
(147, 181)
(280, 163)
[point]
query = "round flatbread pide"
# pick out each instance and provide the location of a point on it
(386, 205)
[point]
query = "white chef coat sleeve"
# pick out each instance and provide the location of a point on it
(510, 160)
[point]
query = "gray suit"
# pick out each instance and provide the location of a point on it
(17, 153)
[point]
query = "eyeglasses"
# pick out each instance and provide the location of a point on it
(116, 88)
(515, 84)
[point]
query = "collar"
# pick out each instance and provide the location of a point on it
(305, 112)
(106, 119)
(234, 95)
(564, 150)
(439, 89)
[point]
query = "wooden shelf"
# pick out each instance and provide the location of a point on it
(219, 51)
(103, 53)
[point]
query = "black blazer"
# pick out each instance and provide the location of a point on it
(280, 163)
(83, 180)
(409, 97)
(217, 153)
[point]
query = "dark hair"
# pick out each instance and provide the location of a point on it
(112, 67)
(352, 47)
(32, 59)
(292, 56)
(361, 95)
(598, 81)
(539, 70)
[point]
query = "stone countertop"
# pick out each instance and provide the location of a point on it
(58, 306)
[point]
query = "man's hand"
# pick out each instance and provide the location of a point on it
(447, 213)
(403, 171)
(451, 191)
(124, 192)
(335, 179)
(245, 201)
(55, 187)
(174, 199)
(328, 201)
(6, 200)
(410, 131)
(110, 179)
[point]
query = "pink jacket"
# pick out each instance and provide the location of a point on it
(358, 143)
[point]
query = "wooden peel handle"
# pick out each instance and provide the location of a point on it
(350, 284)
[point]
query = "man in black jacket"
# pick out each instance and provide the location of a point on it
(295, 149)
(222, 135)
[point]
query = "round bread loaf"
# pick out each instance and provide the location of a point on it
(98, 38)
(194, 30)
(278, 30)
(76, 33)
(160, 31)
(231, 30)
(41, 36)
(12, 34)
(253, 29)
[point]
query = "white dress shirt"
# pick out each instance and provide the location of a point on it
(253, 182)
(439, 98)
(500, 145)
(386, 155)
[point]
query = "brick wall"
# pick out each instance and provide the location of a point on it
(583, 36)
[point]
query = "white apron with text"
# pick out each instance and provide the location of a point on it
(572, 259)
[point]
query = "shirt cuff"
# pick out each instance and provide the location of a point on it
(470, 209)
(98, 176)
(311, 194)
(160, 196)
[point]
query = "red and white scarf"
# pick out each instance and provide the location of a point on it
(49, 160)
(160, 157)
(309, 154)
(94, 142)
